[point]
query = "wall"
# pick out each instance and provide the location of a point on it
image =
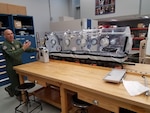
(59, 8)
(145, 9)
(73, 10)
(123, 8)
(41, 12)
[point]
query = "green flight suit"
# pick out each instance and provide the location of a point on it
(13, 55)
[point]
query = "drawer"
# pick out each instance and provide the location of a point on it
(100, 101)
(37, 80)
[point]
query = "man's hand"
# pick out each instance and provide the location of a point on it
(26, 45)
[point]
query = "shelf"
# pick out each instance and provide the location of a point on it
(139, 28)
(49, 95)
(3, 28)
(25, 28)
(138, 38)
(135, 48)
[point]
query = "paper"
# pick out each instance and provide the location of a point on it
(134, 87)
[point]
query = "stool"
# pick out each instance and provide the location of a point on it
(81, 105)
(24, 88)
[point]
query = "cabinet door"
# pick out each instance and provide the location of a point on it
(27, 57)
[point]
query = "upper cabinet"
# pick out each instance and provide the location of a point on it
(23, 25)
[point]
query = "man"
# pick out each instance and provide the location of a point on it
(13, 50)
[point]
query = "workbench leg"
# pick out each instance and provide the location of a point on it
(64, 100)
(21, 79)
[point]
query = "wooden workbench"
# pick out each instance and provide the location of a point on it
(87, 82)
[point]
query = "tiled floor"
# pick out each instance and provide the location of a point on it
(8, 104)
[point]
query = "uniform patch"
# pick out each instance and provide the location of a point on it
(4, 47)
(13, 48)
(17, 46)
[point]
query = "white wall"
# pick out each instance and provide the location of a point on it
(39, 9)
(41, 13)
(73, 12)
(145, 8)
(59, 8)
(123, 8)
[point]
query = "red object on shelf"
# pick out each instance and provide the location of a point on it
(138, 38)
(135, 48)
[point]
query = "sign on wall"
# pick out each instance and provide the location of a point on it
(104, 7)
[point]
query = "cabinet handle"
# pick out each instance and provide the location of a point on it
(95, 102)
(22, 38)
(35, 81)
(18, 38)
(1, 42)
(32, 57)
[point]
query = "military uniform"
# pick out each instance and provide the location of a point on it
(13, 55)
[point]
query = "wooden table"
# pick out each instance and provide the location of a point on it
(87, 82)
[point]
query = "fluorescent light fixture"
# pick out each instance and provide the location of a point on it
(113, 20)
(145, 16)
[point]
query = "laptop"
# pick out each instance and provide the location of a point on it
(115, 76)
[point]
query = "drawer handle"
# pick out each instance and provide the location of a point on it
(1, 42)
(95, 102)
(35, 81)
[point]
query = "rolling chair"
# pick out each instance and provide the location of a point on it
(25, 87)
(82, 107)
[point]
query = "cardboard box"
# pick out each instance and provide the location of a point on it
(17, 24)
(3, 8)
(140, 25)
(12, 9)
(65, 18)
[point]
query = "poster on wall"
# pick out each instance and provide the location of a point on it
(104, 7)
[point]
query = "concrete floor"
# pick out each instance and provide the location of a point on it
(8, 104)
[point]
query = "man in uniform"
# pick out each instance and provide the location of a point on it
(13, 50)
